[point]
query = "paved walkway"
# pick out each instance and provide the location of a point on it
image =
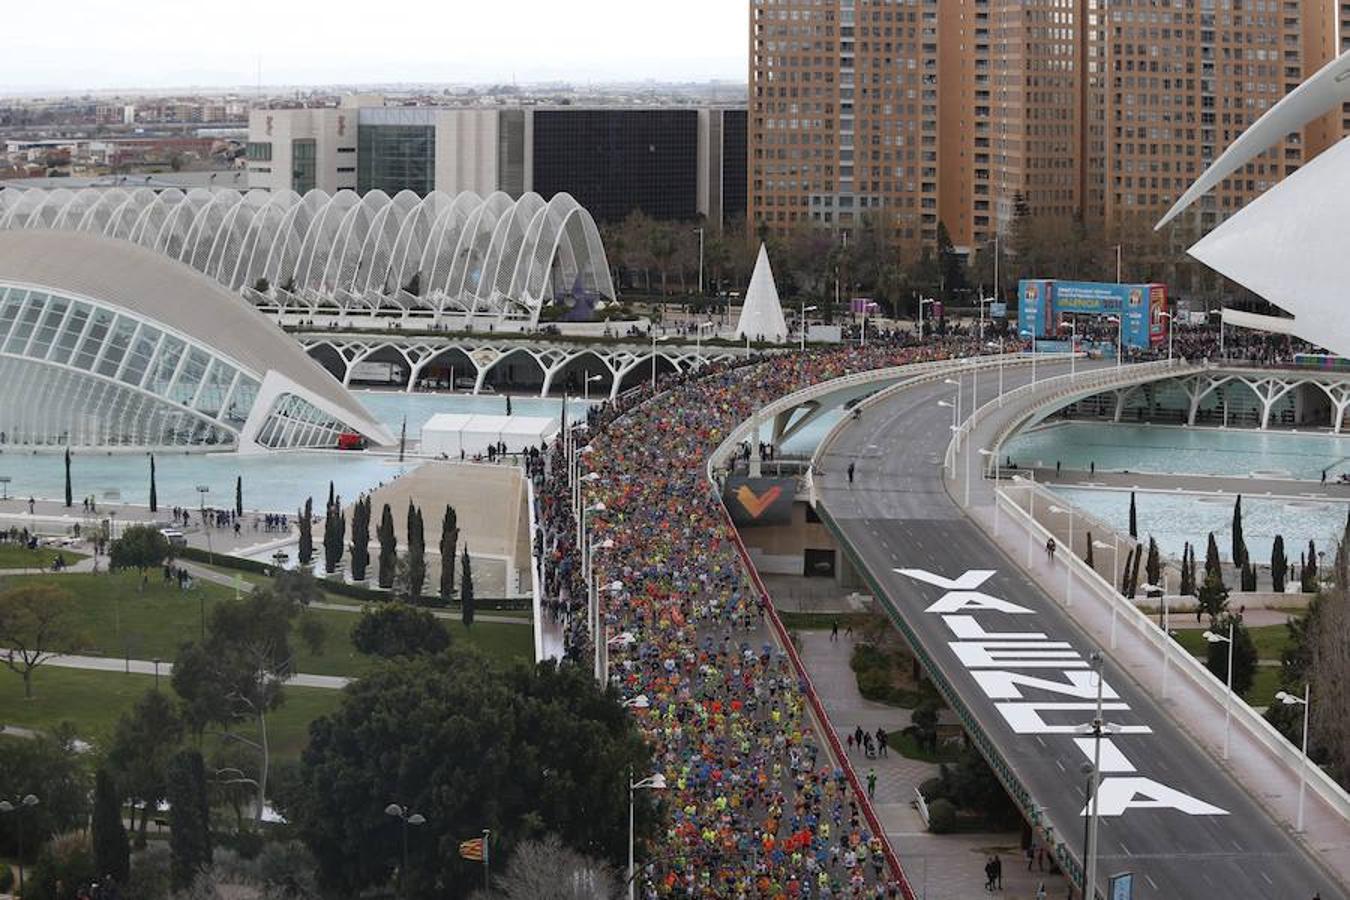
(165, 669)
(940, 867)
(1249, 485)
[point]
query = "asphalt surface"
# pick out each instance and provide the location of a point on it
(898, 515)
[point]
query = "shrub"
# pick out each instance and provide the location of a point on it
(68, 859)
(942, 816)
(149, 873)
(6, 879)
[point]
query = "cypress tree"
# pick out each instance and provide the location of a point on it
(189, 818)
(332, 496)
(1125, 573)
(239, 495)
(1134, 519)
(1213, 565)
(466, 589)
(69, 500)
(306, 532)
(1279, 566)
(388, 548)
(1309, 579)
(1134, 571)
(417, 554)
(1154, 566)
(154, 494)
(1190, 573)
(334, 525)
(449, 540)
(1239, 543)
(360, 539)
(1089, 558)
(112, 850)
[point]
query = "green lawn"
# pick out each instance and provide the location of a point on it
(906, 746)
(1270, 640)
(13, 556)
(93, 701)
(120, 620)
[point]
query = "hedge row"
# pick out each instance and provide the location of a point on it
(336, 586)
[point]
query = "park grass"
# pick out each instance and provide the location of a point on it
(903, 743)
(93, 701)
(119, 620)
(1270, 641)
(12, 556)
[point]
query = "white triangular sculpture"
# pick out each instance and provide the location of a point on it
(762, 315)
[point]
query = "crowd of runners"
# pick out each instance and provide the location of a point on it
(757, 808)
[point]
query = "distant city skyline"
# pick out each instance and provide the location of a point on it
(156, 44)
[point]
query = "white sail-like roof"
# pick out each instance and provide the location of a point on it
(494, 256)
(762, 314)
(1289, 246)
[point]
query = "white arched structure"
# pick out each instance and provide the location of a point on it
(1289, 244)
(440, 254)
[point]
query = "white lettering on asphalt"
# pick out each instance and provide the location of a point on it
(1117, 796)
(1006, 685)
(991, 657)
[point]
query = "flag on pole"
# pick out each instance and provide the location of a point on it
(473, 849)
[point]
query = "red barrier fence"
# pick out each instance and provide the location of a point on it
(822, 719)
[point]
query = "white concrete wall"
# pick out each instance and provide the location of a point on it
(330, 129)
(466, 151)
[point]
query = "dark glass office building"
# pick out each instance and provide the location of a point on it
(615, 161)
(734, 164)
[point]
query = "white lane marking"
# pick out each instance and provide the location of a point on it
(1151, 882)
(1126, 849)
(1263, 874)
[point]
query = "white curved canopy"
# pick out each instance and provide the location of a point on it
(442, 254)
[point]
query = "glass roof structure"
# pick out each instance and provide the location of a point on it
(439, 254)
(107, 344)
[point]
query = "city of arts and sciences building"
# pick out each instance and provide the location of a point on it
(134, 319)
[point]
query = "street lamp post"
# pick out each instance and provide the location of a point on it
(950, 463)
(1073, 347)
(1032, 335)
(407, 818)
(1114, 547)
(1096, 729)
(586, 390)
(997, 474)
(1219, 313)
(1171, 332)
(1068, 569)
(923, 301)
(655, 782)
(1120, 336)
(698, 340)
(1213, 638)
(1031, 513)
(655, 340)
(1291, 700)
(801, 323)
(27, 802)
(700, 262)
(202, 491)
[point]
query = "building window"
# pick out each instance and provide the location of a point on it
(397, 158)
(259, 152)
(304, 166)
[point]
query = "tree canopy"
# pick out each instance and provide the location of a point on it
(37, 622)
(523, 752)
(139, 547)
(396, 629)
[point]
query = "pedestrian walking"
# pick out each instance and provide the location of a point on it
(871, 784)
(989, 876)
(1056, 468)
(1050, 549)
(1092, 467)
(834, 630)
(1040, 891)
(998, 873)
(850, 473)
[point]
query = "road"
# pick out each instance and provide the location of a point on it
(898, 516)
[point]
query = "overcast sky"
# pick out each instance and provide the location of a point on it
(171, 43)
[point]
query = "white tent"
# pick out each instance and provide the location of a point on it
(449, 434)
(762, 314)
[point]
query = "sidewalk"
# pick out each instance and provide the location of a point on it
(940, 867)
(164, 669)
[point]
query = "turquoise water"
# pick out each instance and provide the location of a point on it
(1174, 518)
(275, 482)
(1182, 451)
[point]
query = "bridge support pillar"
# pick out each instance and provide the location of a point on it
(756, 469)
